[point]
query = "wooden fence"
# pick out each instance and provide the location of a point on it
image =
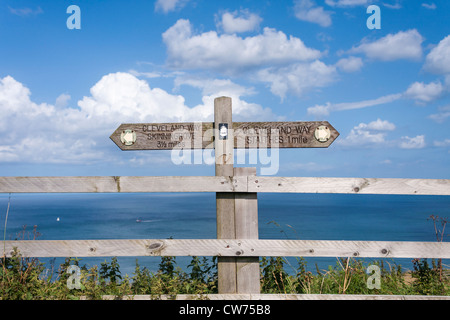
(243, 249)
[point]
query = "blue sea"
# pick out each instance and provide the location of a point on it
(193, 216)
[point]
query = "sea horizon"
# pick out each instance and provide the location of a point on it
(193, 216)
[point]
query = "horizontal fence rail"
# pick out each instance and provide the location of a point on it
(242, 189)
(279, 296)
(108, 184)
(227, 248)
(130, 184)
(350, 185)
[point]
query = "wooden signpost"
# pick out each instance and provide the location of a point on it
(237, 212)
(200, 135)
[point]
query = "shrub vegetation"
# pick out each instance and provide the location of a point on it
(28, 278)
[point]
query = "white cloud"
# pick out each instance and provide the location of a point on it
(444, 143)
(350, 64)
(169, 5)
(374, 134)
(368, 135)
(15, 98)
(213, 86)
(378, 125)
(395, 6)
(123, 95)
(282, 62)
(324, 110)
(346, 3)
(438, 60)
(401, 45)
(242, 110)
(306, 10)
(62, 100)
(209, 50)
(424, 93)
(321, 110)
(430, 6)
(442, 115)
(417, 142)
(144, 74)
(31, 132)
(25, 12)
(234, 22)
(297, 78)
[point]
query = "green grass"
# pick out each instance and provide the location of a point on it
(29, 279)
(25, 279)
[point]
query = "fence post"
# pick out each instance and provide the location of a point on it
(224, 156)
(246, 224)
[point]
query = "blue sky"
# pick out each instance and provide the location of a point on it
(64, 91)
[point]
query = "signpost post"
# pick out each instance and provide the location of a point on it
(237, 212)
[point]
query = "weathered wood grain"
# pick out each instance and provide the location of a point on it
(93, 184)
(225, 183)
(247, 135)
(246, 225)
(166, 136)
(228, 248)
(275, 297)
(293, 134)
(349, 185)
(225, 220)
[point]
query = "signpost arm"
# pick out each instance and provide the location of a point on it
(224, 149)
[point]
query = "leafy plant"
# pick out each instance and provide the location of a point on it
(440, 233)
(427, 279)
(110, 271)
(27, 278)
